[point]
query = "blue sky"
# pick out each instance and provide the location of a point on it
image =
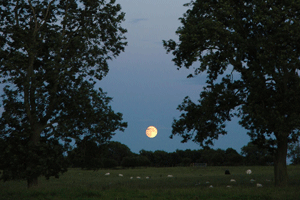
(147, 87)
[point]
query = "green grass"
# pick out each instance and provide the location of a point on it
(187, 183)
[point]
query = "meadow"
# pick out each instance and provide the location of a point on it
(186, 183)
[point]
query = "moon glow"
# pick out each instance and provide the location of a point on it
(151, 131)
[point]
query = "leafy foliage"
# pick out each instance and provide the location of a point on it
(116, 151)
(135, 161)
(88, 154)
(52, 54)
(294, 153)
(250, 52)
(256, 156)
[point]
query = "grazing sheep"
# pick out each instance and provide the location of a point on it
(138, 177)
(211, 186)
(228, 186)
(227, 172)
(121, 175)
(131, 177)
(170, 176)
(249, 171)
(258, 185)
(107, 174)
(207, 182)
(252, 180)
(147, 177)
(232, 180)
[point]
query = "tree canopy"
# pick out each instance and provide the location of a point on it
(52, 54)
(256, 156)
(250, 53)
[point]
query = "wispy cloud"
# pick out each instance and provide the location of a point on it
(137, 20)
(147, 120)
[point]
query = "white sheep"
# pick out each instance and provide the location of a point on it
(138, 177)
(228, 186)
(252, 180)
(170, 176)
(131, 177)
(258, 185)
(121, 175)
(249, 171)
(232, 180)
(107, 174)
(147, 177)
(211, 186)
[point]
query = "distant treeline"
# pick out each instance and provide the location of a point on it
(89, 155)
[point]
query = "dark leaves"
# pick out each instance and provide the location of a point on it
(52, 53)
(250, 52)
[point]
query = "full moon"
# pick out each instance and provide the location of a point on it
(151, 131)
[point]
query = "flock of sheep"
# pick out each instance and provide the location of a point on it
(249, 171)
(207, 182)
(138, 177)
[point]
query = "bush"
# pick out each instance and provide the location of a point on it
(137, 161)
(109, 163)
(186, 161)
(143, 161)
(129, 162)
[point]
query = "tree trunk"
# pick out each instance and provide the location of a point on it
(32, 181)
(280, 169)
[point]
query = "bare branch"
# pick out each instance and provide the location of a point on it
(34, 16)
(44, 20)
(16, 13)
(64, 26)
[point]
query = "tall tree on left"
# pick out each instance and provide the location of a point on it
(52, 54)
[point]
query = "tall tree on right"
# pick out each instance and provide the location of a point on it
(250, 52)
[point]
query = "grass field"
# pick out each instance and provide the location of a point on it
(186, 183)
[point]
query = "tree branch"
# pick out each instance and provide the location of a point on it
(44, 20)
(16, 13)
(34, 16)
(64, 26)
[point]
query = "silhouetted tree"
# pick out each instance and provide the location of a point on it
(218, 157)
(116, 151)
(149, 155)
(161, 158)
(86, 155)
(135, 161)
(250, 53)
(233, 158)
(129, 161)
(109, 163)
(255, 155)
(143, 161)
(175, 159)
(186, 162)
(52, 53)
(206, 156)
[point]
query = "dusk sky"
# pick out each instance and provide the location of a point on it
(146, 86)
